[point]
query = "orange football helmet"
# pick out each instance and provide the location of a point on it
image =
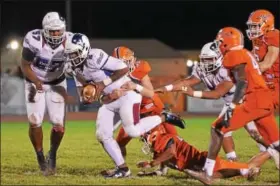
(229, 38)
(125, 54)
(259, 22)
(150, 138)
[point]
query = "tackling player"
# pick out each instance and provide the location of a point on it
(109, 73)
(176, 153)
(257, 105)
(45, 85)
(151, 105)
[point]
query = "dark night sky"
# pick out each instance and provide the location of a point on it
(181, 24)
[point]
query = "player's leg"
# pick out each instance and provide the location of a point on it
(254, 133)
(123, 139)
(228, 143)
(217, 132)
(104, 134)
(130, 116)
(268, 128)
(56, 110)
(35, 106)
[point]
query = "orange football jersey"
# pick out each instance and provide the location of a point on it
(260, 48)
(142, 68)
(187, 156)
(253, 75)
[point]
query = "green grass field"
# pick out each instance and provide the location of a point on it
(81, 157)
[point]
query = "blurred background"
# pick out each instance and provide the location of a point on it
(168, 34)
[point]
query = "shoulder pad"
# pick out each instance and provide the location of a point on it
(33, 40)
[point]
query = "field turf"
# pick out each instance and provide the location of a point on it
(81, 158)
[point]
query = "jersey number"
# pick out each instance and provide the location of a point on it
(255, 64)
(36, 35)
(43, 64)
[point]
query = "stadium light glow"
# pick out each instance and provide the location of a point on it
(189, 63)
(14, 45)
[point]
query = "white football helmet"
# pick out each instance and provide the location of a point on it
(76, 50)
(210, 57)
(53, 22)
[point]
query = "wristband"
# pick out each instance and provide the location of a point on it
(197, 94)
(139, 88)
(107, 81)
(169, 87)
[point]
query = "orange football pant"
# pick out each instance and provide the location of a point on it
(257, 107)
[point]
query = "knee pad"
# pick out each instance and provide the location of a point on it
(228, 134)
(101, 136)
(35, 120)
(58, 129)
(132, 131)
(57, 119)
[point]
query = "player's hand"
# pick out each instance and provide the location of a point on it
(160, 90)
(117, 93)
(187, 90)
(228, 115)
(39, 86)
(144, 164)
(128, 86)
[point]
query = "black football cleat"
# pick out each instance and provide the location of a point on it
(51, 164)
(41, 161)
(174, 119)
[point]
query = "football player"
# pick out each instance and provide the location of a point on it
(109, 73)
(176, 153)
(249, 84)
(265, 40)
(45, 85)
(151, 105)
(216, 78)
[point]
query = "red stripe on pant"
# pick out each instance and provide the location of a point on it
(136, 113)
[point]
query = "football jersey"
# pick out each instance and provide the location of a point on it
(253, 74)
(186, 156)
(260, 48)
(99, 66)
(212, 80)
(48, 63)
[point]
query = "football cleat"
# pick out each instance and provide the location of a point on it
(51, 164)
(120, 173)
(174, 119)
(42, 162)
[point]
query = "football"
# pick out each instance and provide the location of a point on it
(89, 92)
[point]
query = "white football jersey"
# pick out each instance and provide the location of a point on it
(99, 66)
(211, 81)
(48, 63)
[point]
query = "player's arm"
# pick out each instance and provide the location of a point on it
(241, 82)
(167, 154)
(26, 60)
(269, 59)
(117, 66)
(180, 84)
(221, 90)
